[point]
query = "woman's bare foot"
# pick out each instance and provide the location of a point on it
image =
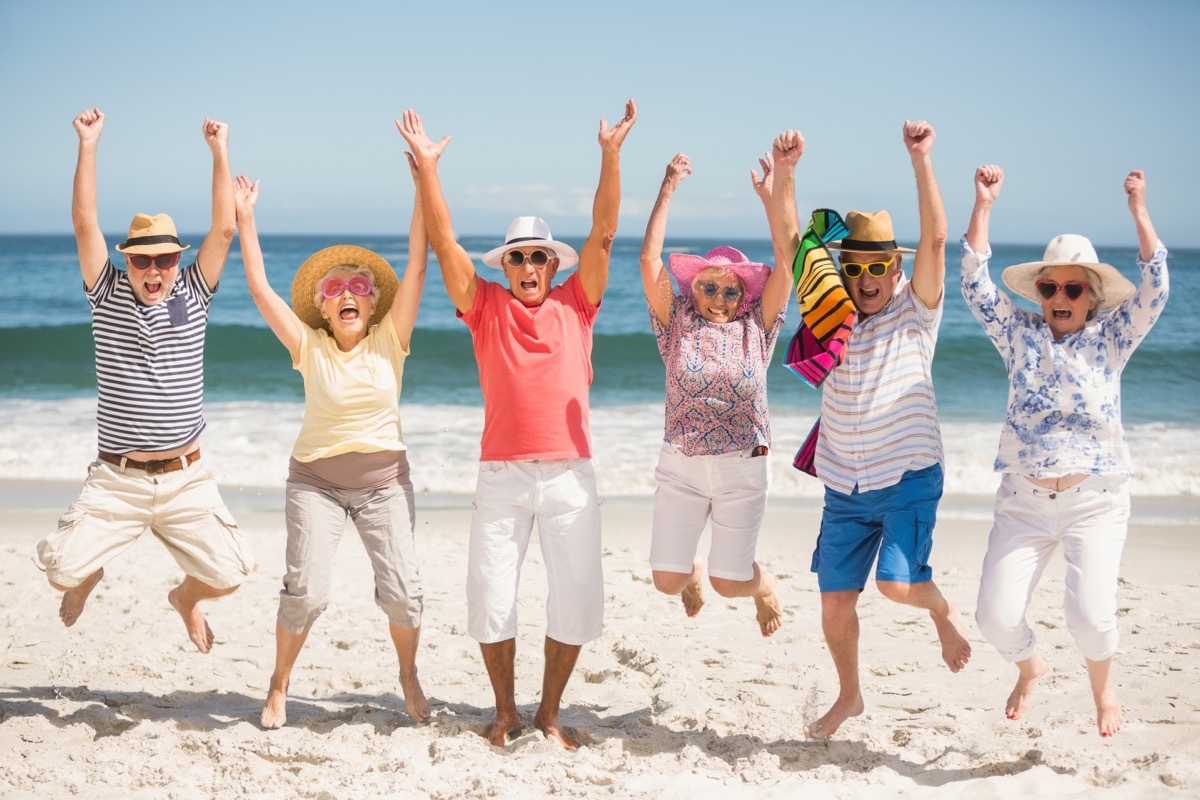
(415, 704)
(75, 598)
(1108, 713)
(693, 592)
(956, 648)
(767, 609)
(274, 713)
(565, 736)
(1030, 672)
(841, 711)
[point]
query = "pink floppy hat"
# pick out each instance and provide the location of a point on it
(686, 266)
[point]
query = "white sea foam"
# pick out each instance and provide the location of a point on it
(247, 444)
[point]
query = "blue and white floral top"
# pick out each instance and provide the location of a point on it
(1064, 397)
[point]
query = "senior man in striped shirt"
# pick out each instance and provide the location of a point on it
(148, 321)
(879, 451)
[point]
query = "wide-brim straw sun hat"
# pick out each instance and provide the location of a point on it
(686, 266)
(152, 236)
(1071, 249)
(316, 266)
(527, 232)
(870, 232)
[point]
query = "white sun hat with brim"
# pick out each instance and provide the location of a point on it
(527, 232)
(1065, 250)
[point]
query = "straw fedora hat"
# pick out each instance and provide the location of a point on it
(316, 266)
(152, 236)
(1071, 249)
(686, 266)
(528, 231)
(870, 232)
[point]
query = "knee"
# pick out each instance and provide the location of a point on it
(1094, 632)
(895, 591)
(670, 582)
(837, 607)
(726, 587)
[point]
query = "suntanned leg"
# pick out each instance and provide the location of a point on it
(839, 621)
(687, 585)
(560, 663)
(956, 648)
(287, 649)
(499, 658)
(1029, 672)
(406, 641)
(761, 587)
(185, 598)
(1108, 708)
(76, 597)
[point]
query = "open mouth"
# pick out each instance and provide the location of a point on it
(348, 313)
(1061, 313)
(529, 286)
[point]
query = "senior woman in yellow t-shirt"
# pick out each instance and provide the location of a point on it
(348, 331)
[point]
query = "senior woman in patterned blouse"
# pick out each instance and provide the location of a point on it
(716, 338)
(1065, 462)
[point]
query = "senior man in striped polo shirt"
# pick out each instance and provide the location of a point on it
(879, 451)
(148, 321)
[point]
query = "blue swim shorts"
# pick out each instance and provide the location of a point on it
(896, 523)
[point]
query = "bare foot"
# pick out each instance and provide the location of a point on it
(76, 598)
(274, 713)
(498, 731)
(565, 736)
(956, 649)
(1030, 672)
(1108, 712)
(767, 609)
(841, 711)
(693, 593)
(415, 704)
(197, 627)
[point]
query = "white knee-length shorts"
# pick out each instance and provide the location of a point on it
(560, 495)
(1090, 520)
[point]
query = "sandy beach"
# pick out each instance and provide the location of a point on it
(121, 705)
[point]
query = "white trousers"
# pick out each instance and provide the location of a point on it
(1090, 520)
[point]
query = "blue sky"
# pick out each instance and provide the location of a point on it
(1067, 96)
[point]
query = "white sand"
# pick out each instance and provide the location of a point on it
(121, 705)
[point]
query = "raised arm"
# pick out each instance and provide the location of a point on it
(606, 207)
(283, 322)
(93, 251)
(929, 264)
(458, 272)
(777, 190)
(408, 294)
(1135, 188)
(655, 279)
(988, 180)
(215, 246)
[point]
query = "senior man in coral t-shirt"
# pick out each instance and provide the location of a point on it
(533, 343)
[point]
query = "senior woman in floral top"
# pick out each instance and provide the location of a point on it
(716, 338)
(1065, 462)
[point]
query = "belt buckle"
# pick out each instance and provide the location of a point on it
(157, 467)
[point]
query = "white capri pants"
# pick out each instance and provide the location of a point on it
(561, 496)
(1090, 519)
(732, 487)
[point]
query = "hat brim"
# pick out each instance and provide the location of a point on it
(567, 257)
(867, 247)
(1115, 287)
(315, 267)
(151, 249)
(685, 267)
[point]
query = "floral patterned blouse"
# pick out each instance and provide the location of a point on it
(716, 400)
(1064, 397)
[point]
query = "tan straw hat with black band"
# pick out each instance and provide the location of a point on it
(316, 266)
(152, 236)
(870, 232)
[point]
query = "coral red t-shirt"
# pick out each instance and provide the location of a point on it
(535, 369)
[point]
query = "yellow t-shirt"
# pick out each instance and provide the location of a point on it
(350, 399)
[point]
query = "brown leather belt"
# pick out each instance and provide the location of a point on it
(151, 467)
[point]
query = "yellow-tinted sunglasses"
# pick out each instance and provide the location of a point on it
(876, 269)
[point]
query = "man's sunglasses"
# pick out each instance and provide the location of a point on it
(1072, 289)
(517, 258)
(876, 269)
(164, 261)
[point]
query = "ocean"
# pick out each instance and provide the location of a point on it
(254, 399)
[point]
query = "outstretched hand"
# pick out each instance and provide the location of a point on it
(764, 186)
(988, 180)
(612, 138)
(245, 195)
(423, 149)
(216, 134)
(678, 169)
(89, 124)
(1135, 187)
(918, 137)
(787, 148)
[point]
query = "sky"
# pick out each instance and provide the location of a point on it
(1066, 96)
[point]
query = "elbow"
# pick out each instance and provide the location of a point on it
(938, 236)
(224, 232)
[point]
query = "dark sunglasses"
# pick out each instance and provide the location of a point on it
(1072, 289)
(517, 258)
(165, 261)
(876, 269)
(729, 293)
